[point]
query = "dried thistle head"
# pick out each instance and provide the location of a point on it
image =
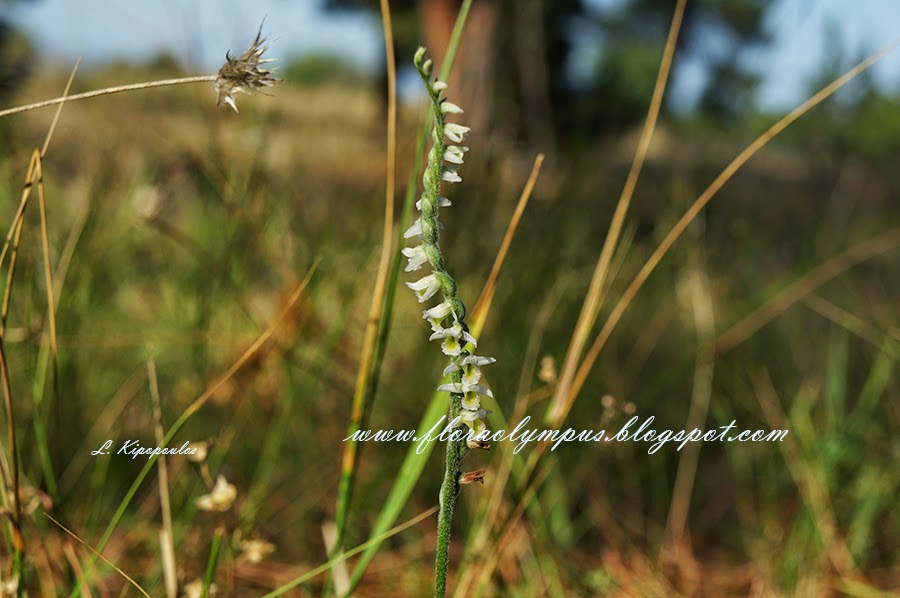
(244, 74)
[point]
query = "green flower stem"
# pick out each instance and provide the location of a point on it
(448, 318)
(450, 487)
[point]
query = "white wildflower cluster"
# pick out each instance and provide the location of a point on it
(220, 498)
(447, 319)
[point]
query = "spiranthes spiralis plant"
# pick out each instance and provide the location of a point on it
(447, 318)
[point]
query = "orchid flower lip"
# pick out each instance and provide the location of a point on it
(450, 108)
(442, 202)
(449, 173)
(417, 257)
(425, 288)
(462, 388)
(440, 311)
(414, 231)
(477, 360)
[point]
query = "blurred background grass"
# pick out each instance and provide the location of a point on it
(189, 228)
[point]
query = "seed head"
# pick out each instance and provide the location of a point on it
(244, 74)
(473, 476)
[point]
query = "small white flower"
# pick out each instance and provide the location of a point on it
(468, 361)
(471, 374)
(416, 256)
(468, 338)
(451, 346)
(449, 174)
(450, 108)
(414, 231)
(256, 550)
(456, 133)
(470, 398)
(220, 498)
(469, 387)
(471, 401)
(194, 589)
(470, 417)
(455, 338)
(442, 202)
(425, 288)
(201, 450)
(477, 360)
(439, 86)
(462, 388)
(437, 314)
(454, 154)
(471, 367)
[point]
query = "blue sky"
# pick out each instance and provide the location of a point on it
(199, 31)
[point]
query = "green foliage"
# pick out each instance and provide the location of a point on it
(314, 70)
(873, 127)
(16, 60)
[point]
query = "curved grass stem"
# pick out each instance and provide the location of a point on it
(107, 91)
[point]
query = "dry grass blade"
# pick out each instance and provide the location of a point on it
(365, 379)
(166, 535)
(350, 553)
(48, 268)
(490, 563)
(483, 305)
(594, 298)
(251, 351)
(694, 210)
(59, 108)
(105, 420)
(72, 560)
(591, 357)
(107, 91)
(686, 474)
(48, 278)
(246, 356)
(100, 556)
(813, 490)
(14, 237)
(10, 464)
(803, 286)
(52, 298)
(10, 469)
(493, 506)
(855, 324)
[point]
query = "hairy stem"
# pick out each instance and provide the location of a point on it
(456, 450)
